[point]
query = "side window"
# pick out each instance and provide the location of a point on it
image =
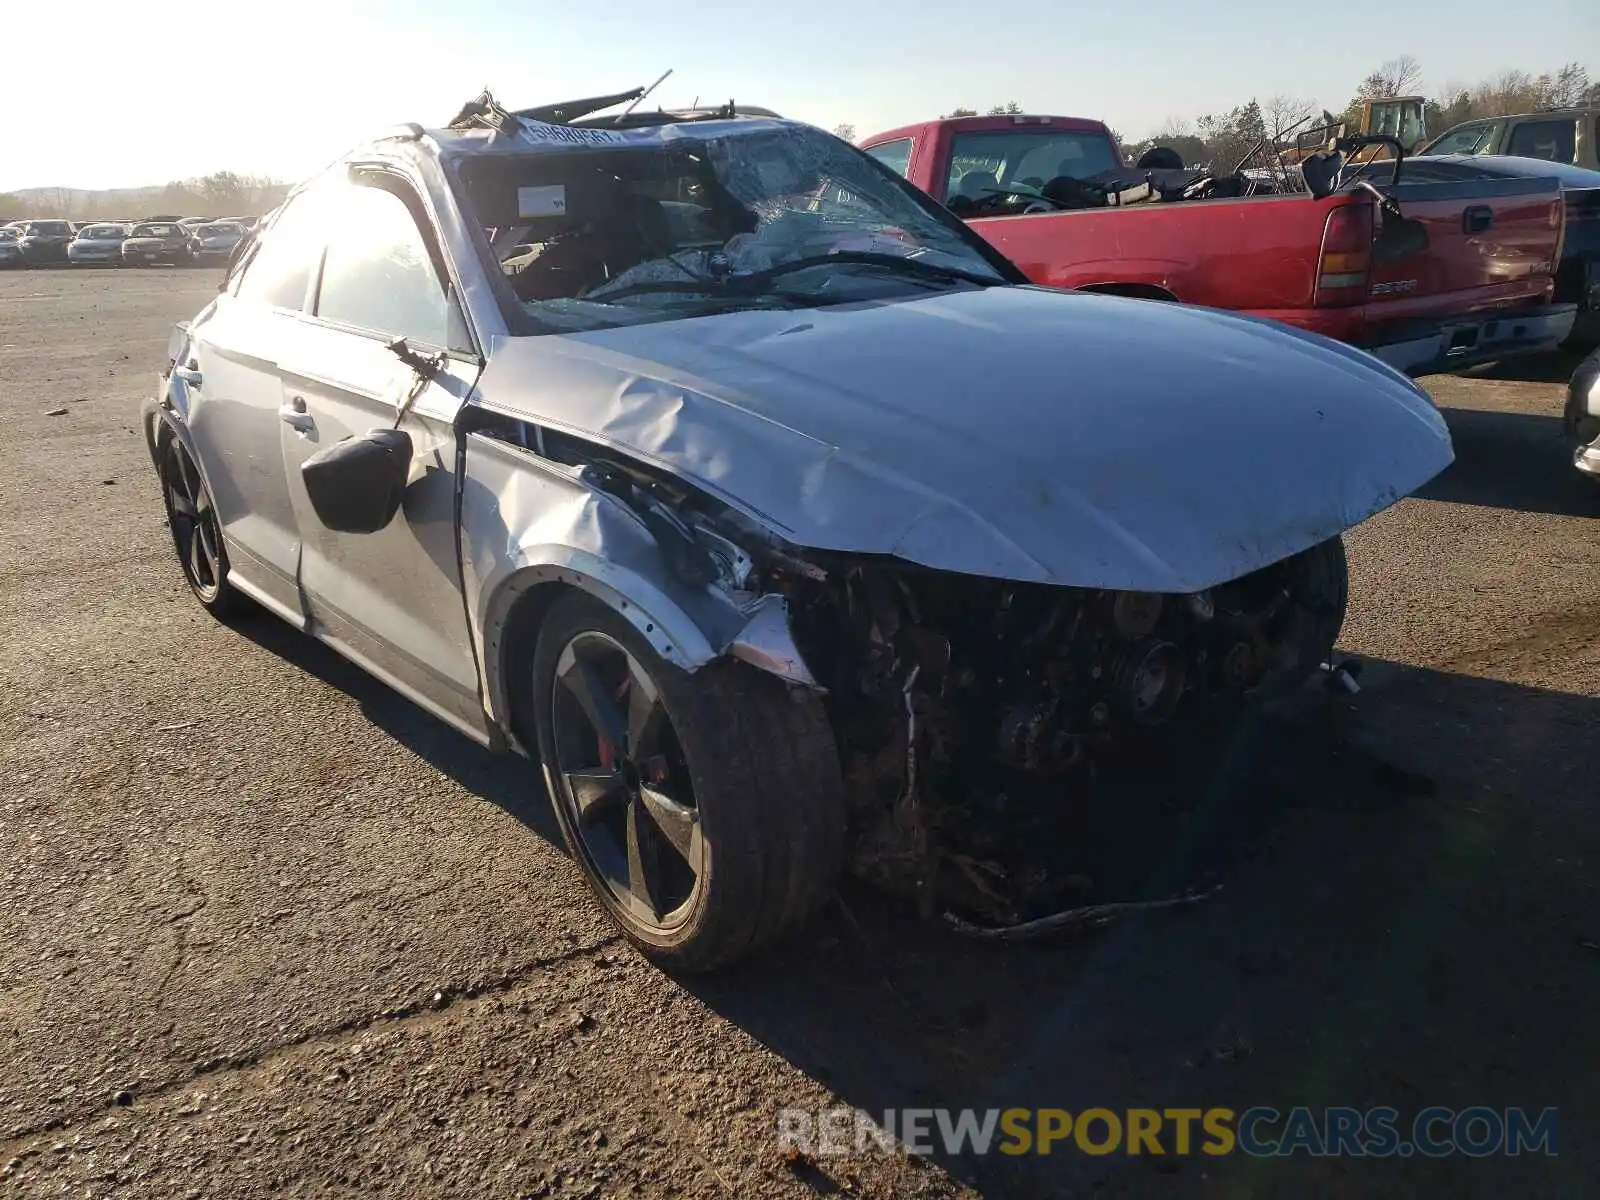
(895, 155)
(1553, 141)
(1469, 139)
(279, 271)
(378, 274)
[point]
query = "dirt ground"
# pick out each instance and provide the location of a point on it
(267, 928)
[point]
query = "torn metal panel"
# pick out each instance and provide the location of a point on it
(528, 521)
(766, 641)
(1010, 432)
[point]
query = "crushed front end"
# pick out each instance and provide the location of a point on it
(973, 715)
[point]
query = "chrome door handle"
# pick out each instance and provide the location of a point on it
(189, 375)
(294, 415)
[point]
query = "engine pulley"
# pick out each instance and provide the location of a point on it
(1148, 680)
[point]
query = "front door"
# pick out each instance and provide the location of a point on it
(391, 599)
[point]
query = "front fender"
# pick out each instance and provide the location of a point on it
(528, 523)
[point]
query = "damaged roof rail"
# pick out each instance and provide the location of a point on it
(486, 111)
(570, 110)
(680, 116)
(407, 131)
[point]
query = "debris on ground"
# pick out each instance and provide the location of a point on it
(1088, 916)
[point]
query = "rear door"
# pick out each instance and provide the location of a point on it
(392, 599)
(231, 369)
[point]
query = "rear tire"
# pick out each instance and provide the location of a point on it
(196, 531)
(751, 759)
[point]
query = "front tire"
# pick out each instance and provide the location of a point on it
(1319, 581)
(706, 810)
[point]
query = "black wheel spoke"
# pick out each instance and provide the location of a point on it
(596, 791)
(643, 706)
(181, 504)
(196, 557)
(582, 678)
(207, 539)
(677, 823)
(644, 864)
(188, 476)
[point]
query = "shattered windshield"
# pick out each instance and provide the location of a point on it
(771, 219)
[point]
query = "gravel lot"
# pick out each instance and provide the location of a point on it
(264, 926)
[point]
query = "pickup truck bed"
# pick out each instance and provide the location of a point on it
(1479, 290)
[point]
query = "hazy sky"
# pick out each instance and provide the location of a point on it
(102, 94)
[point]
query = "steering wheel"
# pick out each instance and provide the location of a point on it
(1038, 202)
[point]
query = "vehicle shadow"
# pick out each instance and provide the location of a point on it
(1555, 367)
(1512, 460)
(1401, 890)
(505, 780)
(1364, 845)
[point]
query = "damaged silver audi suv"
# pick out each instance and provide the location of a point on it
(698, 457)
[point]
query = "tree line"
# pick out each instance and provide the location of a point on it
(222, 193)
(1226, 137)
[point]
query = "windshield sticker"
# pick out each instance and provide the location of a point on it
(546, 201)
(567, 135)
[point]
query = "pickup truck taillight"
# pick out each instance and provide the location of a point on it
(1346, 256)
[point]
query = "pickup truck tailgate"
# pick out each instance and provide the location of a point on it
(1498, 238)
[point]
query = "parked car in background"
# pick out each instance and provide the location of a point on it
(212, 244)
(1578, 272)
(1582, 418)
(765, 496)
(10, 251)
(100, 243)
(1415, 279)
(45, 241)
(1561, 135)
(152, 242)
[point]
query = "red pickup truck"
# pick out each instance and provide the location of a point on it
(1478, 289)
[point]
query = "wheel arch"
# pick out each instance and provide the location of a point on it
(518, 603)
(532, 529)
(1134, 291)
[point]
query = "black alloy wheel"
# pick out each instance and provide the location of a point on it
(624, 782)
(706, 808)
(196, 532)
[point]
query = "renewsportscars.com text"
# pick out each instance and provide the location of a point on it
(1262, 1131)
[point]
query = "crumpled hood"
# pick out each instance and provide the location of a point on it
(1012, 432)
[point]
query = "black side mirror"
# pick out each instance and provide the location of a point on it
(356, 485)
(1399, 238)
